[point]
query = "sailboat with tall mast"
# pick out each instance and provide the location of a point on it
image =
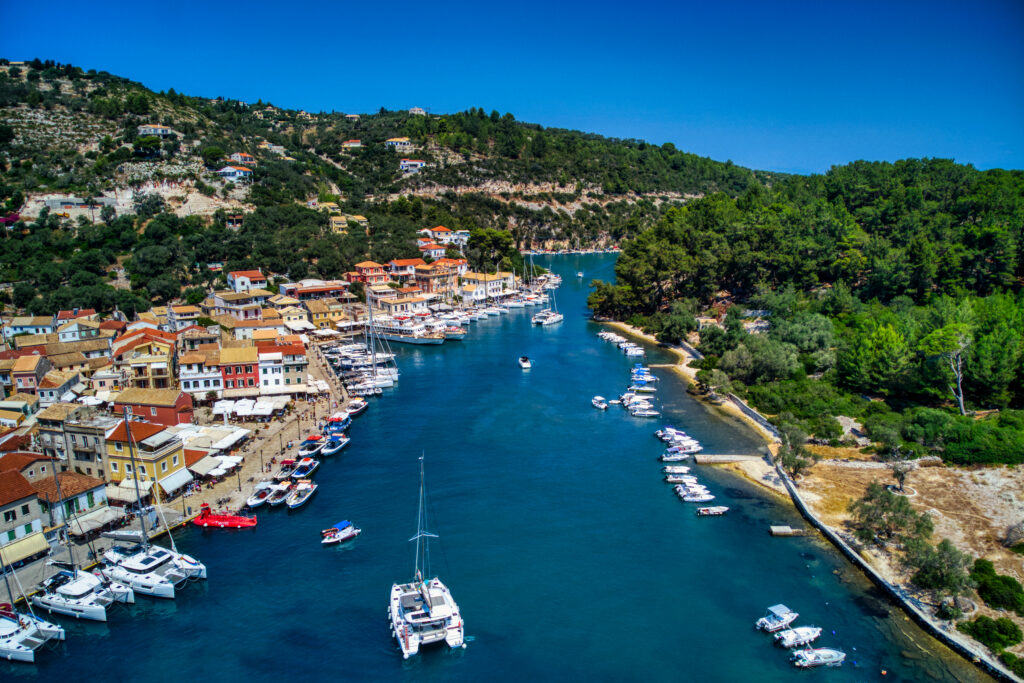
(149, 569)
(74, 592)
(22, 634)
(423, 611)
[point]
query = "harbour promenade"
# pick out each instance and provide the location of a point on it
(267, 445)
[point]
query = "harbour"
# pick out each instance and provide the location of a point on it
(541, 502)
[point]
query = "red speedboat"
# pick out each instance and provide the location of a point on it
(207, 518)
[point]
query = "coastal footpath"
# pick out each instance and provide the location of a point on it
(771, 476)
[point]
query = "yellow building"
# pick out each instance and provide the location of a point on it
(319, 313)
(338, 225)
(159, 459)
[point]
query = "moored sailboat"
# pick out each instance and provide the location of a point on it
(423, 611)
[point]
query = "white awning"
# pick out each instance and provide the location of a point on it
(230, 440)
(203, 466)
(90, 521)
(263, 409)
(175, 480)
(299, 325)
(218, 472)
(229, 461)
(91, 400)
(125, 492)
(244, 407)
(223, 407)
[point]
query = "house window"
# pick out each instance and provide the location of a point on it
(11, 535)
(174, 461)
(163, 466)
(24, 509)
(248, 368)
(28, 528)
(227, 370)
(152, 411)
(206, 383)
(89, 497)
(10, 516)
(118, 447)
(127, 468)
(142, 470)
(42, 469)
(113, 467)
(251, 383)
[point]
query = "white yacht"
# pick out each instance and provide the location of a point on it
(79, 594)
(599, 402)
(150, 569)
(423, 611)
(525, 363)
(821, 656)
(22, 634)
(548, 317)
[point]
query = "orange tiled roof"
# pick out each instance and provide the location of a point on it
(140, 431)
(14, 487)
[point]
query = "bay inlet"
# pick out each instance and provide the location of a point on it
(569, 557)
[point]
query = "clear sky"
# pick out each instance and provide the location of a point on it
(782, 85)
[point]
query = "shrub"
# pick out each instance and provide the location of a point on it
(996, 634)
(997, 590)
(1015, 663)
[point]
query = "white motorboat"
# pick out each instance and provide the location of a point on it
(423, 611)
(579, 274)
(599, 402)
(795, 637)
(713, 511)
(300, 495)
(525, 363)
(80, 594)
(280, 494)
(675, 469)
(821, 656)
(311, 446)
(675, 457)
(340, 532)
(776, 618)
(334, 444)
(357, 406)
(680, 479)
(698, 498)
(260, 494)
(644, 412)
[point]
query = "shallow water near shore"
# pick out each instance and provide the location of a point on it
(568, 555)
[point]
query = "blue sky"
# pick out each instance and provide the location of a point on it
(784, 85)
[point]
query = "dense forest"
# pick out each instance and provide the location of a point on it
(892, 293)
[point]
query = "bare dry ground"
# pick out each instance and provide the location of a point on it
(971, 507)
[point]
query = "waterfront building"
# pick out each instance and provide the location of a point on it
(21, 518)
(486, 285)
(83, 496)
(310, 288)
(159, 459)
(160, 406)
(145, 358)
(240, 371)
(436, 278)
(199, 373)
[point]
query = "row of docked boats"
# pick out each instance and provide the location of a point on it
(779, 619)
(630, 348)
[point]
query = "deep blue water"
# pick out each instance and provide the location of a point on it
(568, 555)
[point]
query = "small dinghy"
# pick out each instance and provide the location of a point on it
(357, 406)
(599, 402)
(524, 362)
(340, 532)
(713, 511)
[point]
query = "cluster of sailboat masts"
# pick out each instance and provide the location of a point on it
(135, 567)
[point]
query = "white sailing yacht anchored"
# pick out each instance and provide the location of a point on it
(149, 569)
(423, 611)
(74, 592)
(22, 634)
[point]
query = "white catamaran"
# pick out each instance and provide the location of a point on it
(423, 611)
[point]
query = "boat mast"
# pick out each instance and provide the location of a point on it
(422, 535)
(135, 477)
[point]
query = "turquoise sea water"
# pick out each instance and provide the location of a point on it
(568, 555)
